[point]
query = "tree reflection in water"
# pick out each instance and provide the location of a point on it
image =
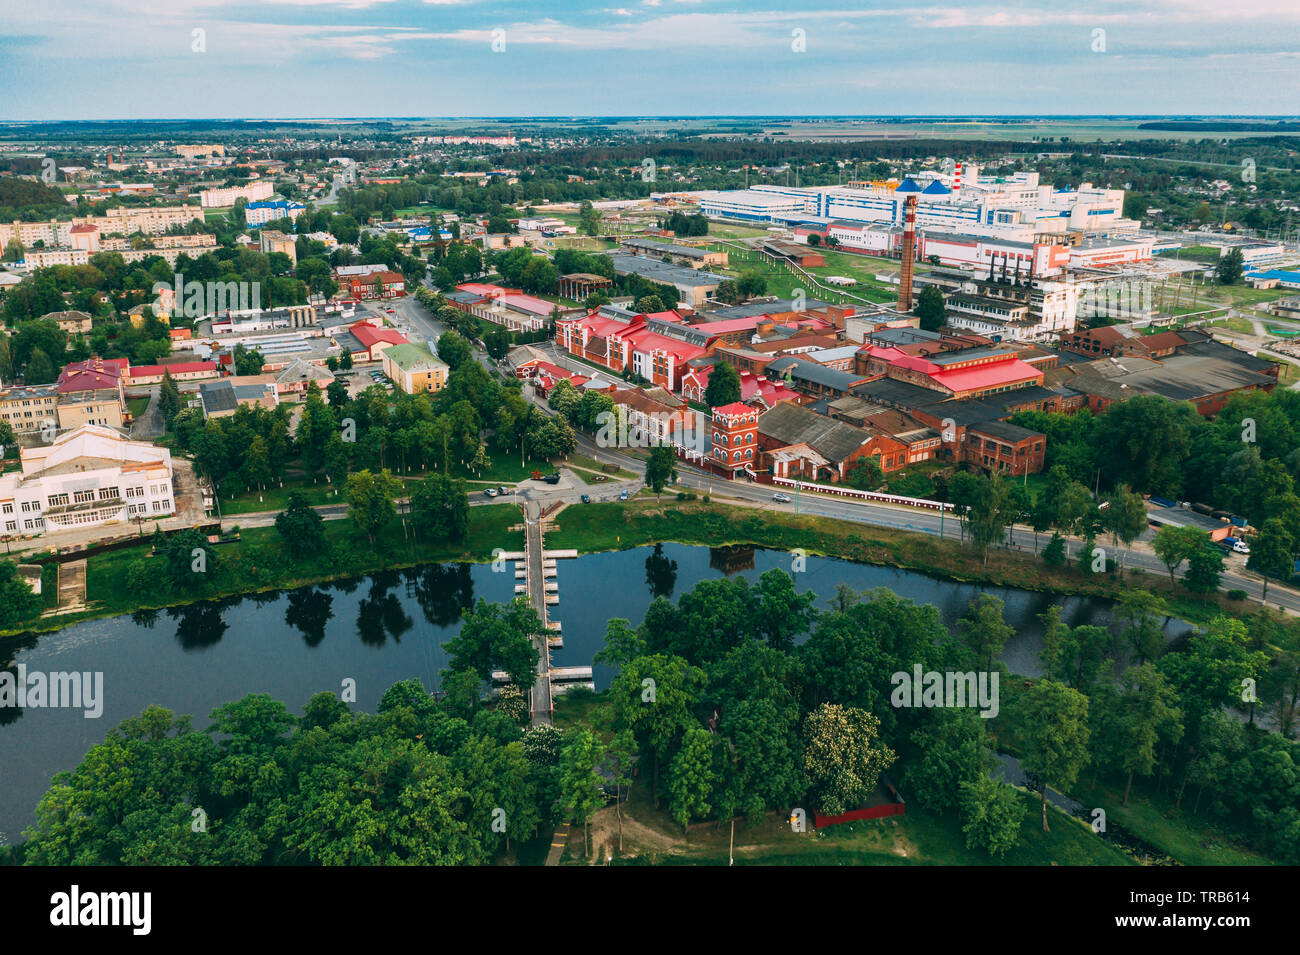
(309, 611)
(444, 591)
(660, 573)
(380, 614)
(200, 625)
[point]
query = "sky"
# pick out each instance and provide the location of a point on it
(143, 59)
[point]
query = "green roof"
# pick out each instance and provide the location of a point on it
(414, 358)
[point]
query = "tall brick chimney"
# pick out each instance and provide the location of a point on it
(909, 255)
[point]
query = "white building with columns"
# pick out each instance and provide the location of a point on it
(87, 477)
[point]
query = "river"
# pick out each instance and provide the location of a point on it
(390, 626)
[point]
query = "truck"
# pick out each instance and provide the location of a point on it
(1235, 544)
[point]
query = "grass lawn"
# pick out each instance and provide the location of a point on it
(1238, 325)
(1192, 839)
(592, 464)
(259, 561)
(137, 406)
(50, 585)
(503, 469)
(917, 837)
(1288, 373)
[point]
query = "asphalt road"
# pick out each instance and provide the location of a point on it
(1020, 538)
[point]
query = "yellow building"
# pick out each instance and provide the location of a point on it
(104, 408)
(414, 368)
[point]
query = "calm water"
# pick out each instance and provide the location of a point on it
(388, 627)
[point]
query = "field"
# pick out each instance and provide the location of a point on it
(782, 282)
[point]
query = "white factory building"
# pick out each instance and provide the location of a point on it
(93, 475)
(1006, 206)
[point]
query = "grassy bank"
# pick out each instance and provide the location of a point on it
(640, 521)
(259, 562)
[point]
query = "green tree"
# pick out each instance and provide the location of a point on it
(724, 385)
(931, 308)
(1229, 269)
(843, 756)
(580, 784)
(984, 631)
(660, 469)
(497, 637)
(1273, 552)
(653, 697)
(1140, 614)
(1204, 568)
(440, 507)
(301, 528)
(454, 349)
(1134, 718)
(993, 814)
(1055, 741)
(1125, 516)
(1054, 552)
(691, 777)
(1173, 545)
(18, 604)
(370, 500)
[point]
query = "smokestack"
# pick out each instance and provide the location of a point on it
(956, 184)
(909, 254)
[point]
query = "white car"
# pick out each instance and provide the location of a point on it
(781, 498)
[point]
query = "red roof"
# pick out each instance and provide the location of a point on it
(93, 374)
(733, 409)
(85, 227)
(369, 335)
(180, 368)
(986, 376)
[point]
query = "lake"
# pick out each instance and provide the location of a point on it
(390, 626)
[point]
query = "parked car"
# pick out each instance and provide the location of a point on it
(586, 499)
(503, 489)
(781, 498)
(623, 495)
(491, 492)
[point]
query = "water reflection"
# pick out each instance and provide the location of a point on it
(309, 611)
(731, 560)
(443, 592)
(145, 618)
(380, 614)
(200, 626)
(660, 573)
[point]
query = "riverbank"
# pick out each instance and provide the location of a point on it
(591, 528)
(259, 561)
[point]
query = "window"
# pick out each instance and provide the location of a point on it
(58, 500)
(7, 509)
(108, 493)
(11, 525)
(82, 496)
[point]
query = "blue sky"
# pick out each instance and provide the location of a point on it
(92, 59)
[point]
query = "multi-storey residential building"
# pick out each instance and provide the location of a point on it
(104, 408)
(28, 409)
(87, 477)
(257, 213)
(222, 198)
